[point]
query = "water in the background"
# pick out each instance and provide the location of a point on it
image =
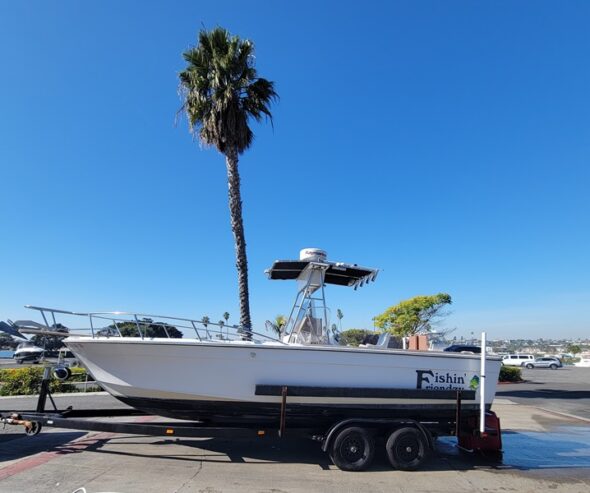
(6, 353)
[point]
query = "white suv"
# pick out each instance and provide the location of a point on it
(517, 359)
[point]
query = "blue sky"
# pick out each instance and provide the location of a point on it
(446, 143)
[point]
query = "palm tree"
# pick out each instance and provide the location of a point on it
(205, 321)
(226, 318)
(277, 324)
(339, 315)
(221, 93)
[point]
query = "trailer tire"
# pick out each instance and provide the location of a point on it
(34, 430)
(353, 449)
(406, 448)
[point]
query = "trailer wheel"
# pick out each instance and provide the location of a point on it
(34, 430)
(353, 449)
(406, 449)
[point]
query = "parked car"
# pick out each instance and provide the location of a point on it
(463, 348)
(517, 359)
(556, 358)
(553, 363)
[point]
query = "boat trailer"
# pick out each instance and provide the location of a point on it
(350, 443)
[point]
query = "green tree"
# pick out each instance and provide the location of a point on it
(147, 327)
(574, 349)
(51, 343)
(226, 316)
(353, 337)
(221, 93)
(7, 341)
(48, 342)
(414, 315)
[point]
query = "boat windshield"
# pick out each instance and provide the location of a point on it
(26, 345)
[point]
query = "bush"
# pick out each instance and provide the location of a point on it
(353, 337)
(79, 374)
(510, 374)
(27, 381)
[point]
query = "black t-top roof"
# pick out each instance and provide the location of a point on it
(336, 273)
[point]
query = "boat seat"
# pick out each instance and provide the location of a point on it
(382, 342)
(384, 339)
(310, 331)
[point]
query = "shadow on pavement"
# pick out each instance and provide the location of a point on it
(560, 451)
(546, 393)
(19, 445)
(564, 449)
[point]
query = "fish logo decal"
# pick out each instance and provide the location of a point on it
(474, 382)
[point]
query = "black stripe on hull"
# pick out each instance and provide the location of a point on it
(364, 392)
(297, 415)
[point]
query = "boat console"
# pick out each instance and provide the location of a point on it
(308, 322)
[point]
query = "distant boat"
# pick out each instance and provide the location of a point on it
(27, 351)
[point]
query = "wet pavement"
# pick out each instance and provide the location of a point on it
(562, 454)
(561, 448)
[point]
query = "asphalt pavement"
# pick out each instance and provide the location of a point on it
(565, 390)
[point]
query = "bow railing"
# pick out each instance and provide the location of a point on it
(129, 324)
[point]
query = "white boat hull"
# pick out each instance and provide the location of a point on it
(217, 381)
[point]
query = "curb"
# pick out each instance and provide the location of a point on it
(66, 394)
(559, 413)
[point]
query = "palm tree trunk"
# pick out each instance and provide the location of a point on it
(237, 227)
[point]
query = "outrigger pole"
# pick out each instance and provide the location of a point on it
(482, 386)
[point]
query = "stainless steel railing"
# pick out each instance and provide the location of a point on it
(142, 325)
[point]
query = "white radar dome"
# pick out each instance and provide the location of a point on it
(313, 254)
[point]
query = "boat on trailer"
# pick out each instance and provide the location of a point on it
(225, 374)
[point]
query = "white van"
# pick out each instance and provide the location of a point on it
(517, 359)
